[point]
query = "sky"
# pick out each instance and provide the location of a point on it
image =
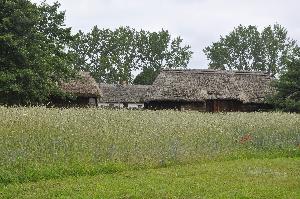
(198, 22)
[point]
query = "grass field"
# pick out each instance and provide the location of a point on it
(96, 153)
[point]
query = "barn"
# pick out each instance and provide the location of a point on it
(210, 90)
(122, 96)
(84, 89)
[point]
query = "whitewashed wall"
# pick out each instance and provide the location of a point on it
(121, 105)
(137, 105)
(92, 101)
(113, 105)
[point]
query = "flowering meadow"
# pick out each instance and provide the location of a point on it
(48, 143)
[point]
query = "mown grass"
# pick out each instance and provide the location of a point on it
(252, 178)
(38, 144)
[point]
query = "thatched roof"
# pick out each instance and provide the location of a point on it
(85, 86)
(201, 85)
(122, 93)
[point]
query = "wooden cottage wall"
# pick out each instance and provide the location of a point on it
(72, 102)
(250, 107)
(208, 106)
(176, 105)
(193, 106)
(223, 105)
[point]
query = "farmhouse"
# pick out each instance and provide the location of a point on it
(122, 95)
(210, 90)
(84, 89)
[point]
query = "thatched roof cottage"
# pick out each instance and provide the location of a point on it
(85, 90)
(210, 90)
(119, 95)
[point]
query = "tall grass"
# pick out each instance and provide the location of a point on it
(40, 143)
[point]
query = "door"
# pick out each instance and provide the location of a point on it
(214, 105)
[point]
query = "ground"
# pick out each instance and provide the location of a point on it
(98, 153)
(254, 178)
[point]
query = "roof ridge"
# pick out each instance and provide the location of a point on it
(121, 85)
(216, 71)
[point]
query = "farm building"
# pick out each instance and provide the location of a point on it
(210, 90)
(122, 95)
(84, 89)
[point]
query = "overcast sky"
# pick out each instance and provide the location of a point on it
(198, 22)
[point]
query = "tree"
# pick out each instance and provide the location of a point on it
(287, 96)
(146, 76)
(156, 52)
(112, 56)
(245, 48)
(33, 39)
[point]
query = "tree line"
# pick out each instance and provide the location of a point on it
(113, 55)
(37, 51)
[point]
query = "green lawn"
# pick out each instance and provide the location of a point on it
(253, 178)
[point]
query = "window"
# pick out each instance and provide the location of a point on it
(92, 101)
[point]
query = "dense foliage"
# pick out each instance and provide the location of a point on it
(246, 48)
(33, 39)
(38, 51)
(147, 76)
(112, 55)
(287, 96)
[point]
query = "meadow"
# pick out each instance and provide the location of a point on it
(59, 149)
